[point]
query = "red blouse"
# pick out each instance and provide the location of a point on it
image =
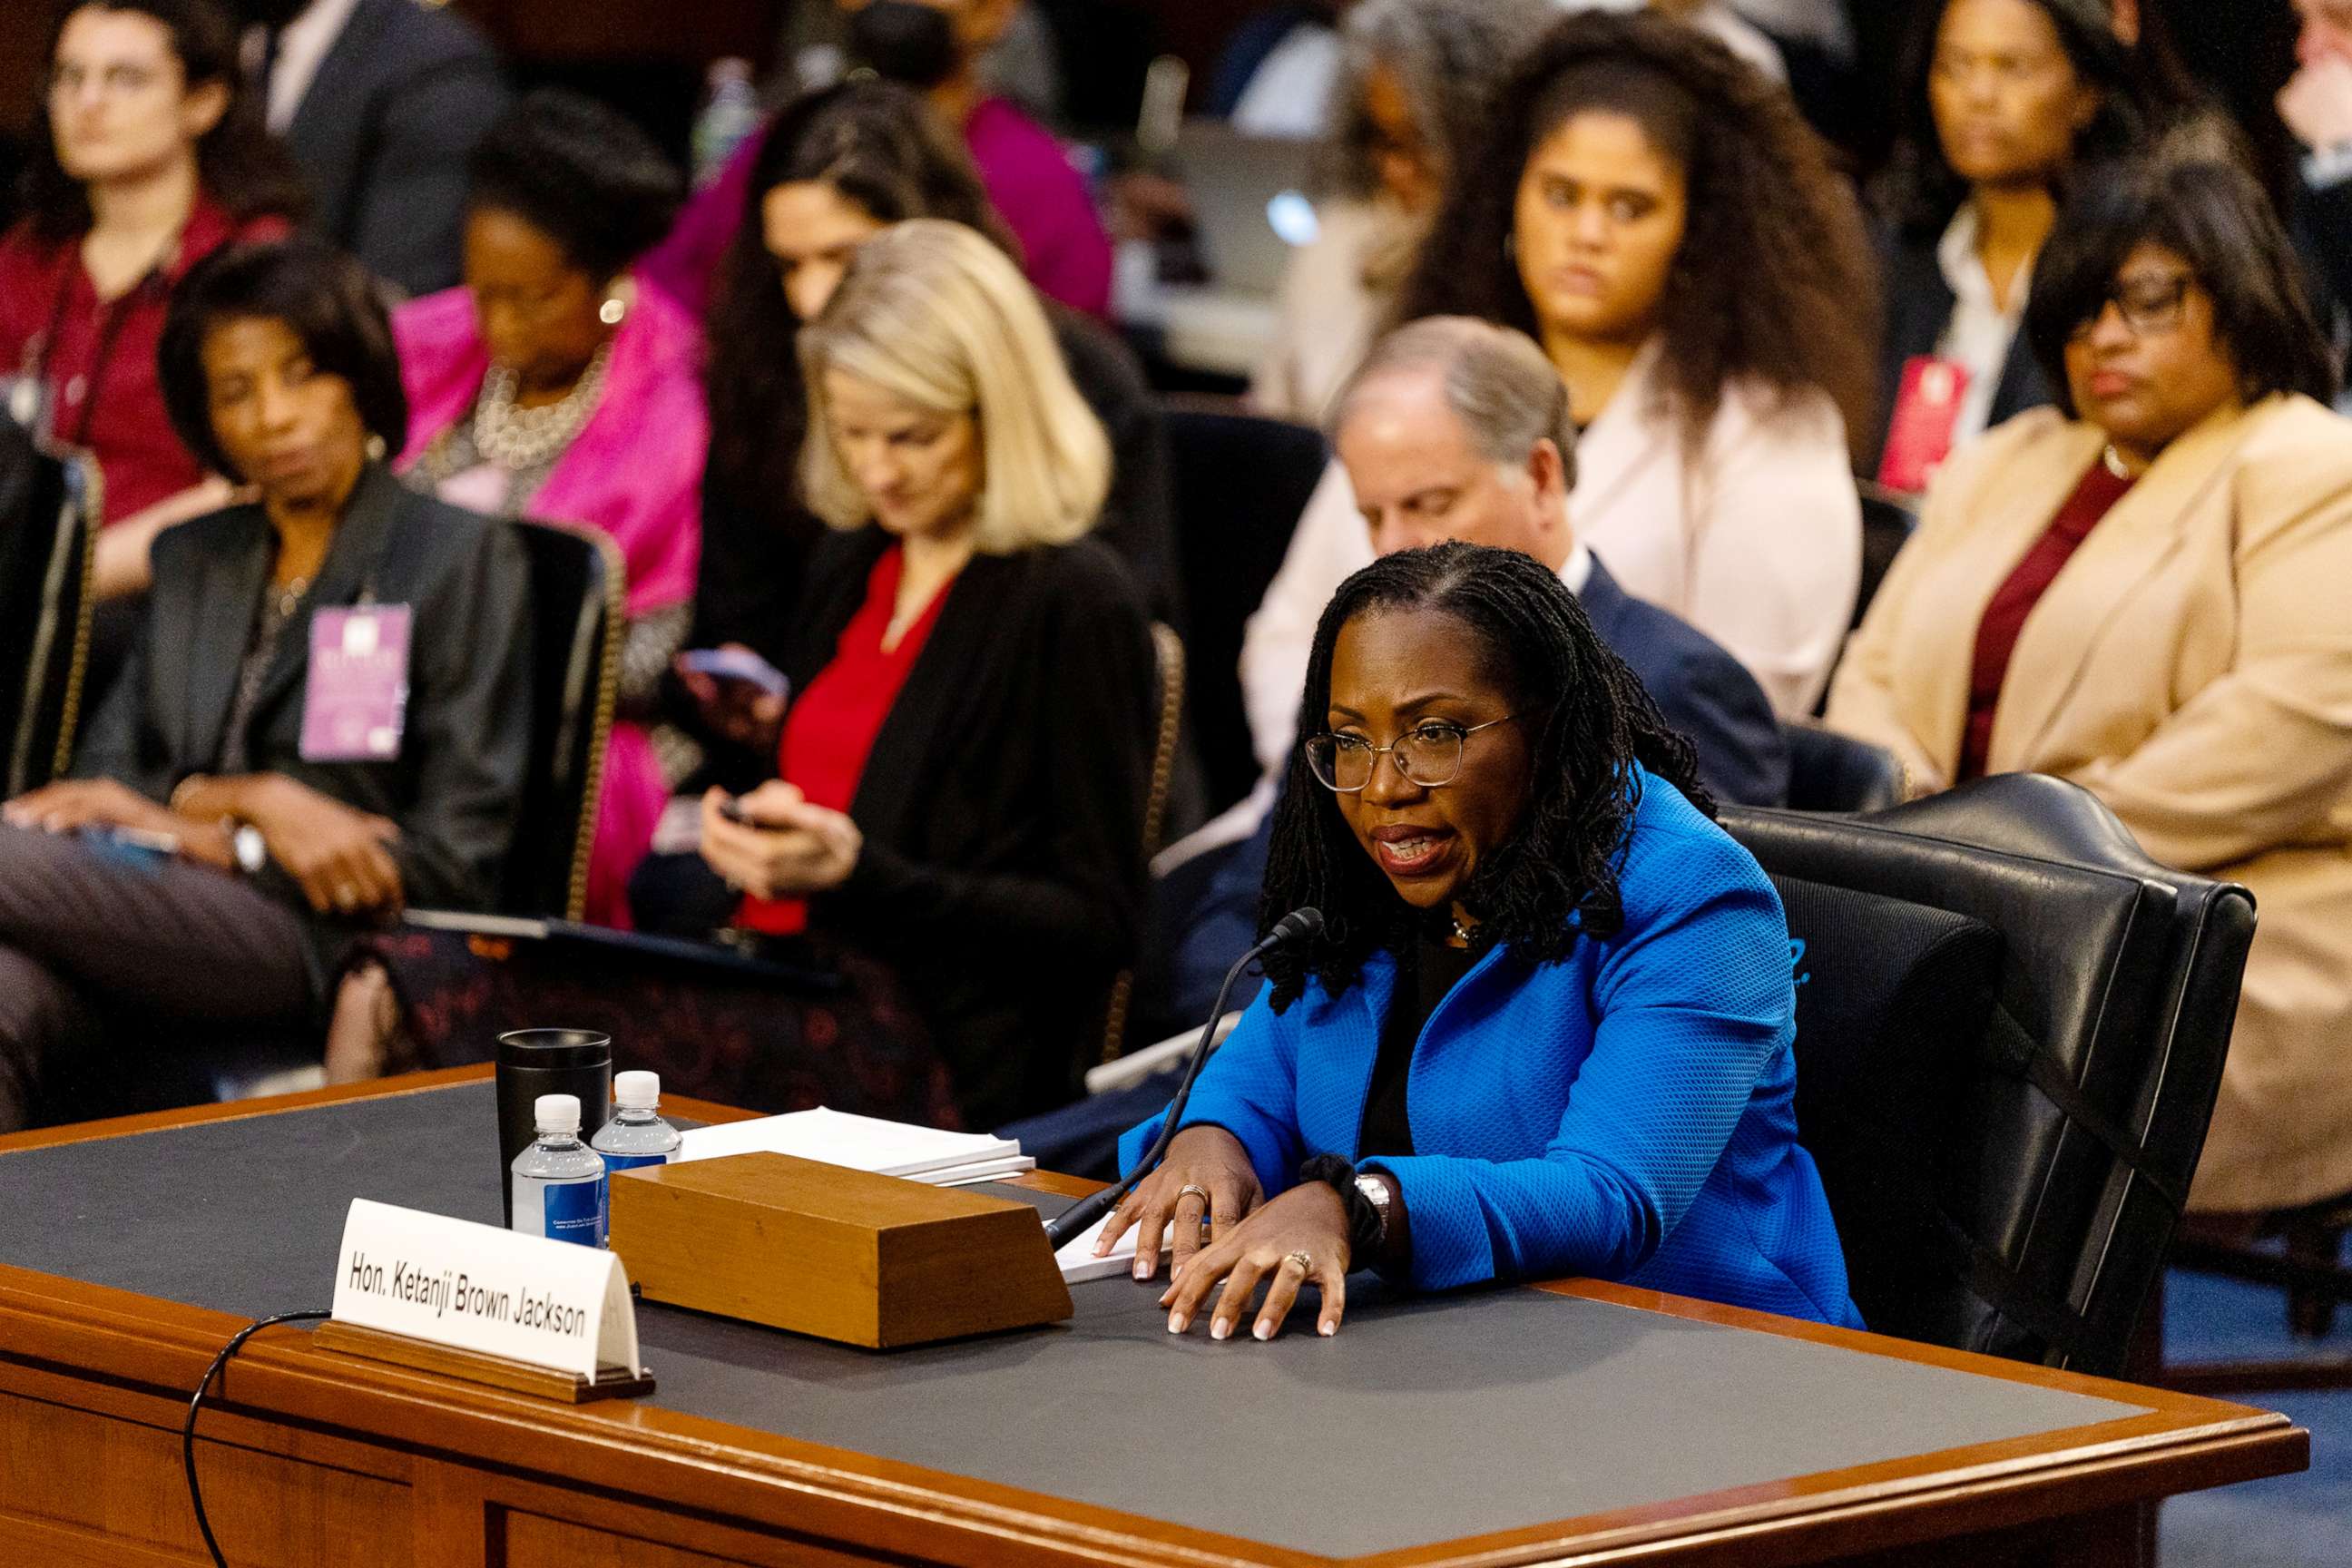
(2004, 618)
(830, 732)
(97, 357)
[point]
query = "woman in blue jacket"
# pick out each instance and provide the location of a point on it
(1547, 1029)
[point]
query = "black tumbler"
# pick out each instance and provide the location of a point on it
(533, 1062)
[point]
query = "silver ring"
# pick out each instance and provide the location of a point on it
(1194, 1190)
(1305, 1263)
(346, 896)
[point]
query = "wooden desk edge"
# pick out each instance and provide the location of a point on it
(161, 1346)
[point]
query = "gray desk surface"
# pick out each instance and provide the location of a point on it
(1422, 1420)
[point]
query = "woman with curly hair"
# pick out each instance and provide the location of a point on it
(1415, 77)
(551, 386)
(2008, 100)
(1673, 235)
(1524, 894)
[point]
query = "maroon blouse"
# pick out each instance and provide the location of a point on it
(2004, 618)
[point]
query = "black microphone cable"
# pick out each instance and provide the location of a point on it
(1299, 925)
(188, 1431)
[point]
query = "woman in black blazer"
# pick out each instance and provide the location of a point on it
(964, 766)
(325, 717)
(2006, 100)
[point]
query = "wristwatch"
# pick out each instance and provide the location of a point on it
(1376, 1192)
(251, 851)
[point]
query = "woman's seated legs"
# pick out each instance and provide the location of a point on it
(42, 1018)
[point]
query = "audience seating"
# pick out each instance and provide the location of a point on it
(1168, 651)
(47, 528)
(1241, 482)
(1830, 771)
(2308, 1266)
(1888, 519)
(2011, 1027)
(577, 579)
(578, 623)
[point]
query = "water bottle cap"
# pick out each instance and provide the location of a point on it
(637, 1090)
(556, 1112)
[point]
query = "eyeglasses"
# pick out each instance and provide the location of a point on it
(113, 81)
(1428, 754)
(2148, 304)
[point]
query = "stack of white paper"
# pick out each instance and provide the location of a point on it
(866, 1143)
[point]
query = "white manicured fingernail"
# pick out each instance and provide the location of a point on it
(1175, 1322)
(1327, 1330)
(1263, 1331)
(1220, 1330)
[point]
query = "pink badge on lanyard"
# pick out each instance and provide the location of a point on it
(355, 697)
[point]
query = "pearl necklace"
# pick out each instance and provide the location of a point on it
(2116, 463)
(517, 439)
(289, 597)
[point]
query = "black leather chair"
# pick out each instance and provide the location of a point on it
(1241, 483)
(48, 527)
(2011, 1027)
(1830, 771)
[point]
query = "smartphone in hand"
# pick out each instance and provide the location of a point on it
(737, 664)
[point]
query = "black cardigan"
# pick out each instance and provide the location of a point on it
(1003, 874)
(1918, 307)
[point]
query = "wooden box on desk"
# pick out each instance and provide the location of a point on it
(840, 1254)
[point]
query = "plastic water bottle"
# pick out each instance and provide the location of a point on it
(730, 113)
(559, 1182)
(636, 1135)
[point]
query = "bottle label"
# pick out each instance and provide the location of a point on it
(575, 1212)
(631, 1161)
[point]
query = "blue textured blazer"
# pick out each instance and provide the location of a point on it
(1627, 1113)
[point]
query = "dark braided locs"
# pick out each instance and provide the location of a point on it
(1589, 720)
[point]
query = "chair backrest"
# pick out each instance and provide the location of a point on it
(1241, 483)
(2011, 1028)
(48, 526)
(1168, 653)
(1886, 523)
(578, 623)
(1830, 771)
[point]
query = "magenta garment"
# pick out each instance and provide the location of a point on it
(634, 472)
(1043, 201)
(1030, 182)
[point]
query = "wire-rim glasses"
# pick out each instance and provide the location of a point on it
(1428, 755)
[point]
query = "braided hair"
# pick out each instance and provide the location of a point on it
(1590, 722)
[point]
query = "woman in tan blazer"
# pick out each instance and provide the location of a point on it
(2144, 591)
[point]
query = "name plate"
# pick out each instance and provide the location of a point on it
(477, 1288)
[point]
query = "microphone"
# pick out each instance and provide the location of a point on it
(1299, 925)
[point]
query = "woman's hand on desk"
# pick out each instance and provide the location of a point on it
(1207, 1176)
(72, 803)
(783, 847)
(1299, 1239)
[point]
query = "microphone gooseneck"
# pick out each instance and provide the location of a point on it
(1299, 925)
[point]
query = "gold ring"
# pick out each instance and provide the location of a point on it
(1305, 1263)
(1192, 1190)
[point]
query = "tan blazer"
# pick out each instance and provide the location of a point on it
(2192, 667)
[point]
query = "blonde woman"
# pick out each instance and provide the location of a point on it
(960, 781)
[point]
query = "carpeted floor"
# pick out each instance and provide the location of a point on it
(2294, 1522)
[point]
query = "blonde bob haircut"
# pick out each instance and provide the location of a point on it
(932, 313)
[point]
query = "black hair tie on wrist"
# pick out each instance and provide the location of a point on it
(1335, 1172)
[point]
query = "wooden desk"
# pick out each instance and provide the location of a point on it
(315, 1458)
